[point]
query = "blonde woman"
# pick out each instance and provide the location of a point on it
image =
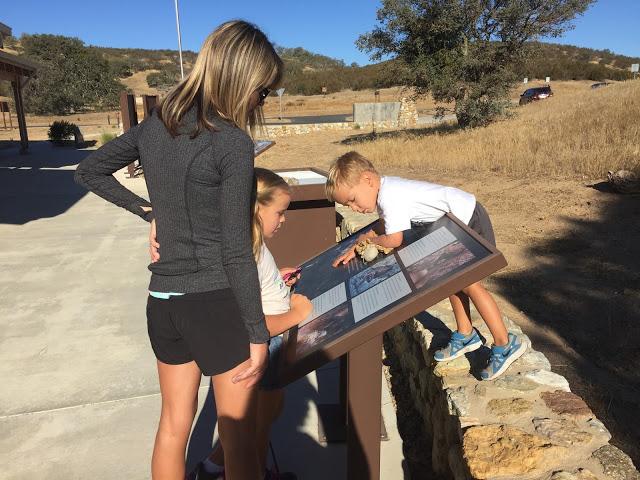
(204, 312)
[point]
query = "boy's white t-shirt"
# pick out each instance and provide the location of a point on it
(276, 296)
(401, 201)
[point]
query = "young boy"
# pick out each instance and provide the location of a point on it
(354, 182)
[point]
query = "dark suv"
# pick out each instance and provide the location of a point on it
(537, 93)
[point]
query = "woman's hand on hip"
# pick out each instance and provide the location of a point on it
(154, 246)
(258, 361)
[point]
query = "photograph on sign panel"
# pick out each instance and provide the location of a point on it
(325, 328)
(373, 275)
(325, 302)
(319, 275)
(440, 263)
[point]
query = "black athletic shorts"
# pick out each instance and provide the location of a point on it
(481, 224)
(205, 327)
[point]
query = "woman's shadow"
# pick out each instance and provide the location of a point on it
(295, 450)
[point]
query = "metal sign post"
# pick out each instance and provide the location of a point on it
(280, 91)
(179, 39)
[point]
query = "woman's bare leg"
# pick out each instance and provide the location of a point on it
(489, 311)
(270, 403)
(179, 388)
(236, 406)
(269, 408)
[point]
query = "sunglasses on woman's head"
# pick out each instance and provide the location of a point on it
(262, 94)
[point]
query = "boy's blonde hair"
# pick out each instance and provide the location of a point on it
(347, 170)
(235, 61)
(266, 184)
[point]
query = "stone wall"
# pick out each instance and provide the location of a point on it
(526, 424)
(367, 113)
(406, 115)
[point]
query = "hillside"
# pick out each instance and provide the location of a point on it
(308, 72)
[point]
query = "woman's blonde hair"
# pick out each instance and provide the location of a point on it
(266, 184)
(235, 61)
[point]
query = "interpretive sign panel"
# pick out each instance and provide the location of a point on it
(355, 302)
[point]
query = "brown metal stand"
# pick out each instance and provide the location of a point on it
(22, 125)
(364, 396)
(129, 120)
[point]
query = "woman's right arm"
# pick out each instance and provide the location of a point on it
(236, 169)
(95, 173)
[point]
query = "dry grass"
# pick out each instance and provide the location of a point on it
(578, 133)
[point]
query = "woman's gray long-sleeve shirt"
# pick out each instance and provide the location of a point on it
(200, 191)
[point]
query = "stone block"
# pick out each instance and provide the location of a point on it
(549, 379)
(561, 431)
(517, 382)
(566, 403)
(616, 465)
(501, 450)
(503, 407)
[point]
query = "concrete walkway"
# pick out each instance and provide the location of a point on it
(79, 396)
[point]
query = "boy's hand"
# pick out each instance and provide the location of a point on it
(154, 246)
(346, 257)
(302, 305)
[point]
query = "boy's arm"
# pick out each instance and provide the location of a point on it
(392, 240)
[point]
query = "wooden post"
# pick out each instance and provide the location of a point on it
(364, 371)
(148, 103)
(22, 125)
(129, 119)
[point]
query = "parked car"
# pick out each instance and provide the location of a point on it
(537, 93)
(600, 85)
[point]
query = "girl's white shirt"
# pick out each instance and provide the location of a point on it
(276, 296)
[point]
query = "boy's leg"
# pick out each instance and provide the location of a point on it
(489, 311)
(462, 312)
(507, 347)
(464, 339)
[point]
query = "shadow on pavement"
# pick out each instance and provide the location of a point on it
(38, 184)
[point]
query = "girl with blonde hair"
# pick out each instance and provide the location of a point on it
(204, 313)
(282, 310)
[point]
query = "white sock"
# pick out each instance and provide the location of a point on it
(211, 467)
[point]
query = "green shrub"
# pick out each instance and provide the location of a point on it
(61, 130)
(107, 137)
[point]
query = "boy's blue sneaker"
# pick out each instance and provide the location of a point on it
(459, 344)
(503, 356)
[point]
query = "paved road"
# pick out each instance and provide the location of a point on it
(345, 117)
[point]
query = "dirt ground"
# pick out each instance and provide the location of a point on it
(573, 280)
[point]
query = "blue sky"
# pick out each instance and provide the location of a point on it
(329, 27)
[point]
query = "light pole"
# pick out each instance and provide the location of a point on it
(179, 39)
